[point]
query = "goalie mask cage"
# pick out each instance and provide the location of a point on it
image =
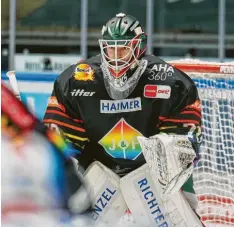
(214, 173)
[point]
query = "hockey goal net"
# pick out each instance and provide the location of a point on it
(214, 173)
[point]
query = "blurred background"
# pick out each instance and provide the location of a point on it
(49, 35)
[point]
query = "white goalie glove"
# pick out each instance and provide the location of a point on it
(170, 159)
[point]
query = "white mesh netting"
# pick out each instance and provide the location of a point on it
(214, 174)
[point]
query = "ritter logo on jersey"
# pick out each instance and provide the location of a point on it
(157, 91)
(121, 141)
(81, 92)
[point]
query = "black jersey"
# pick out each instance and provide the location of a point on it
(164, 100)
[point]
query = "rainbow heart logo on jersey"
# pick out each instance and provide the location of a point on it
(121, 141)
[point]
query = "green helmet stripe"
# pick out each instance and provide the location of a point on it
(117, 26)
(135, 25)
(126, 28)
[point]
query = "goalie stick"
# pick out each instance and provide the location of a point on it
(13, 83)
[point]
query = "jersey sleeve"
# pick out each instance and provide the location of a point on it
(186, 119)
(61, 115)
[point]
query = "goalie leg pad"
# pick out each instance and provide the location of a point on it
(142, 198)
(142, 193)
(108, 204)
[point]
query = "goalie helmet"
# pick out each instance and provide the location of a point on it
(122, 46)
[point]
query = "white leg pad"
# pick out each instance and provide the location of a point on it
(107, 200)
(149, 207)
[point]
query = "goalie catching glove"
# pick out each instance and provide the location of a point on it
(170, 159)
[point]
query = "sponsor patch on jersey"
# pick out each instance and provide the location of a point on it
(117, 106)
(81, 93)
(84, 72)
(121, 141)
(161, 72)
(157, 91)
(163, 68)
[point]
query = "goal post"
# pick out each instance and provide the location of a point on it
(214, 173)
